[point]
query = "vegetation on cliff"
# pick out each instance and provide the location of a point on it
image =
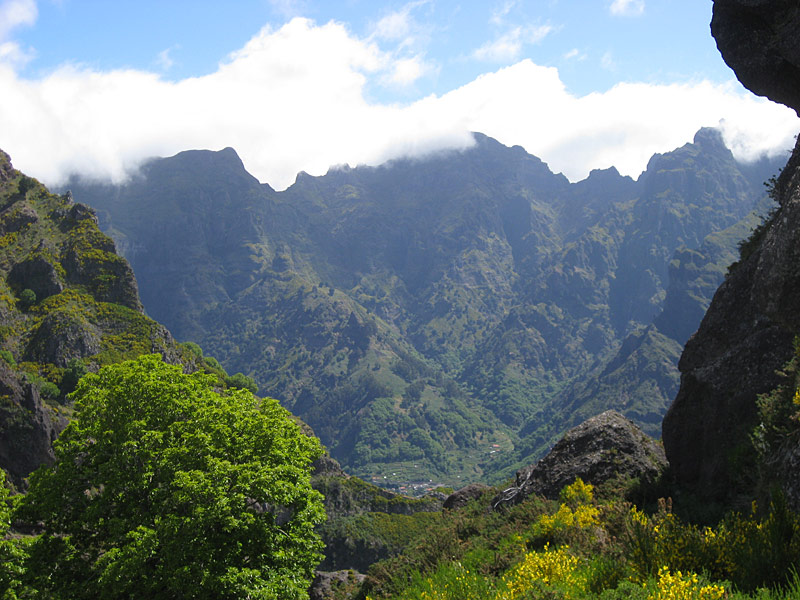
(445, 318)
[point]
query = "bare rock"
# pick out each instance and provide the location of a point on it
(333, 585)
(598, 450)
(27, 427)
(758, 40)
(464, 496)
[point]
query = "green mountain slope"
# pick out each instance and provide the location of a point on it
(68, 303)
(436, 318)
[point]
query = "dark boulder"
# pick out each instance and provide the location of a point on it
(38, 274)
(61, 336)
(598, 450)
(464, 496)
(758, 40)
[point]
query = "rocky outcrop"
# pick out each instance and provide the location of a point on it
(333, 585)
(27, 427)
(598, 450)
(464, 496)
(38, 274)
(747, 333)
(84, 305)
(758, 40)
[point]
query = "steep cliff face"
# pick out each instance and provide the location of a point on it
(68, 303)
(758, 40)
(747, 334)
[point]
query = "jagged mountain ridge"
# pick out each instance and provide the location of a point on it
(422, 311)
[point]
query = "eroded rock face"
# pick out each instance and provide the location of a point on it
(744, 339)
(747, 333)
(758, 40)
(597, 451)
(28, 427)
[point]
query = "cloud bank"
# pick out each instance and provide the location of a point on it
(294, 99)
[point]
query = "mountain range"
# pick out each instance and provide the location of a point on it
(444, 318)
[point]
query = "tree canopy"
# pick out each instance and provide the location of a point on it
(165, 488)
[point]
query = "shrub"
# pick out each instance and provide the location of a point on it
(8, 358)
(49, 390)
(27, 298)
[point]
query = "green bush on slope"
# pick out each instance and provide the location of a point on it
(164, 488)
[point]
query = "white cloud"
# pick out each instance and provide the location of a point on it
(11, 53)
(288, 8)
(401, 26)
(627, 8)
(500, 13)
(294, 99)
(164, 59)
(407, 70)
(574, 54)
(409, 37)
(508, 46)
(607, 62)
(16, 13)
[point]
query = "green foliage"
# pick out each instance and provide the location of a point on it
(194, 349)
(49, 390)
(27, 298)
(241, 381)
(76, 369)
(13, 550)
(164, 488)
(631, 554)
(8, 358)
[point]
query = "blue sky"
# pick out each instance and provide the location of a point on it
(96, 86)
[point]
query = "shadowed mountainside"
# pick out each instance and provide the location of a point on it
(444, 317)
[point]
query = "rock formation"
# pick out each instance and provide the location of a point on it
(747, 333)
(598, 450)
(758, 40)
(65, 295)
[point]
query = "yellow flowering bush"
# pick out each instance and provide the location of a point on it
(548, 567)
(578, 493)
(679, 586)
(565, 517)
(575, 511)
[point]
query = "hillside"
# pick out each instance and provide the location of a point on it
(444, 318)
(68, 304)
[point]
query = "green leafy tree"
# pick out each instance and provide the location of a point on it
(76, 369)
(12, 550)
(240, 380)
(165, 488)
